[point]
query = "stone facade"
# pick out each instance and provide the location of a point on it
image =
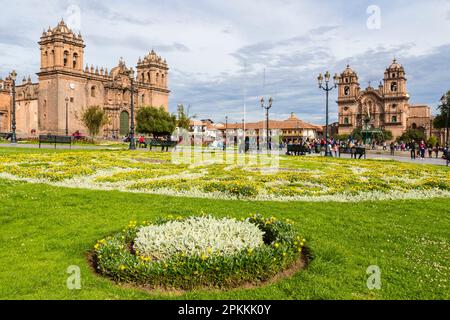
(5, 104)
(385, 108)
(65, 88)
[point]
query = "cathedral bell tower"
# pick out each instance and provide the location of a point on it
(61, 72)
(395, 81)
(348, 93)
(348, 84)
(61, 49)
(152, 75)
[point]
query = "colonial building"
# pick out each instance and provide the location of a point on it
(291, 130)
(65, 89)
(386, 107)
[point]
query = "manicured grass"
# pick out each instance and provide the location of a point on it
(45, 229)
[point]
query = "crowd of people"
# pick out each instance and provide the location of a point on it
(417, 149)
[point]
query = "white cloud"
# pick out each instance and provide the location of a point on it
(206, 43)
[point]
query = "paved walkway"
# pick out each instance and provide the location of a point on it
(402, 158)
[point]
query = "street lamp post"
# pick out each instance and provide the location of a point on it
(446, 106)
(327, 88)
(67, 116)
(267, 108)
(132, 138)
(13, 76)
(226, 134)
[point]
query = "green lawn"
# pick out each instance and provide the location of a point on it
(44, 229)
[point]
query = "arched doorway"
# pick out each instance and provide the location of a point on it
(124, 123)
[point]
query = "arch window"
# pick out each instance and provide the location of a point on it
(394, 87)
(394, 119)
(347, 91)
(346, 120)
(45, 62)
(52, 61)
(93, 91)
(66, 58)
(75, 60)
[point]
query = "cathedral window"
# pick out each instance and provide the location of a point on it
(394, 119)
(346, 120)
(75, 60)
(394, 106)
(347, 91)
(66, 58)
(52, 62)
(93, 92)
(157, 77)
(394, 87)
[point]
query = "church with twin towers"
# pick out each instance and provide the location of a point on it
(67, 86)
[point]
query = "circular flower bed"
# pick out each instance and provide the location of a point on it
(199, 252)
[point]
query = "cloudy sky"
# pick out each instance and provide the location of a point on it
(220, 50)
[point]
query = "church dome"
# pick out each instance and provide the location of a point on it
(62, 28)
(395, 66)
(348, 72)
(121, 69)
(152, 57)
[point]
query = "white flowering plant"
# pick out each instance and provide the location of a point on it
(197, 236)
(199, 252)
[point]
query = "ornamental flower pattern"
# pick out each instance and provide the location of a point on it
(298, 179)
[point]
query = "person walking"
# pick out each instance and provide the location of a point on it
(422, 148)
(430, 151)
(392, 146)
(412, 148)
(436, 150)
(336, 150)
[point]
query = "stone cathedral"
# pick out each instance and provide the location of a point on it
(385, 108)
(66, 88)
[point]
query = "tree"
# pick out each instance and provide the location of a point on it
(94, 118)
(378, 136)
(184, 119)
(412, 134)
(154, 121)
(432, 141)
(440, 120)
